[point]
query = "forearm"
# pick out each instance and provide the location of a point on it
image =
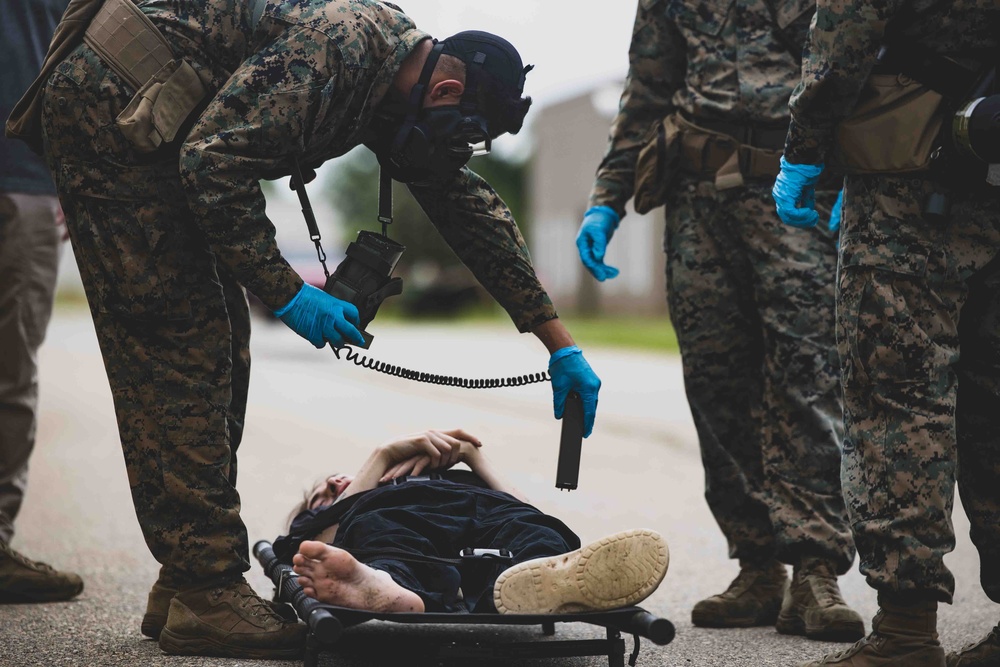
(553, 334)
(242, 239)
(484, 468)
(477, 225)
(368, 476)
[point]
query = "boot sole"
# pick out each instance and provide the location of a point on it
(9, 597)
(709, 620)
(837, 631)
(173, 644)
(616, 571)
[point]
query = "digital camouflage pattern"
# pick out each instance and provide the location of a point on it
(842, 47)
(711, 60)
(919, 336)
(166, 242)
(752, 304)
(918, 315)
(753, 313)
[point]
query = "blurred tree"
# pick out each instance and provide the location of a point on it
(435, 281)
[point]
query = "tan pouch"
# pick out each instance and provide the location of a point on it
(894, 128)
(656, 165)
(160, 108)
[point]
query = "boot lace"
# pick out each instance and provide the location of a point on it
(747, 577)
(826, 590)
(256, 605)
(853, 648)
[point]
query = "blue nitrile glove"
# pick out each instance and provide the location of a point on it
(569, 370)
(835, 212)
(794, 193)
(598, 226)
(319, 317)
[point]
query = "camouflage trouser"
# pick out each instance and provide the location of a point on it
(919, 338)
(174, 329)
(752, 302)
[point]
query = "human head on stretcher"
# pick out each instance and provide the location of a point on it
(393, 514)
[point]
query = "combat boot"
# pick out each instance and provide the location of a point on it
(229, 621)
(814, 607)
(753, 598)
(25, 580)
(984, 653)
(904, 634)
(158, 604)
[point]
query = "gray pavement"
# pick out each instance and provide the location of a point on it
(310, 414)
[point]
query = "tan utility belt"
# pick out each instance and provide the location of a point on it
(168, 89)
(727, 153)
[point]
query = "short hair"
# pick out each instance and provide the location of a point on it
(451, 67)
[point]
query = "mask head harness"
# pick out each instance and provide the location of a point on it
(439, 141)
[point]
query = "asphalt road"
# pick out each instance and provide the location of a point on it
(310, 414)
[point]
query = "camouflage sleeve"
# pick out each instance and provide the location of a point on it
(479, 227)
(840, 52)
(265, 113)
(657, 63)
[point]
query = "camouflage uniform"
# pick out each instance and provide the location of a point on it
(752, 303)
(167, 242)
(918, 315)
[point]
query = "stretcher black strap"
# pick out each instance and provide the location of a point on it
(467, 555)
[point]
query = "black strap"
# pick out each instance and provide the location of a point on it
(939, 73)
(384, 200)
(299, 185)
(467, 556)
(903, 55)
(758, 135)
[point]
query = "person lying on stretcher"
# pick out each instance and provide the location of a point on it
(393, 509)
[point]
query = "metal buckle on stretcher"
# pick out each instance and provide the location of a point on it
(468, 553)
(396, 481)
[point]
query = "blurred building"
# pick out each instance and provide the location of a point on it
(570, 140)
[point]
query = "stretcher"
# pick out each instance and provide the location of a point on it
(327, 623)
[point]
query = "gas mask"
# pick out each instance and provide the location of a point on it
(439, 142)
(422, 145)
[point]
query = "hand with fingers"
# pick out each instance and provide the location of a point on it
(794, 193)
(430, 450)
(598, 226)
(570, 371)
(321, 318)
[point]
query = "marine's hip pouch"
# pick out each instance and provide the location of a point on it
(162, 106)
(729, 154)
(656, 165)
(894, 129)
(169, 89)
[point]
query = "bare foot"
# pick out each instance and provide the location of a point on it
(335, 577)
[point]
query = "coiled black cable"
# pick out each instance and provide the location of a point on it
(363, 361)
